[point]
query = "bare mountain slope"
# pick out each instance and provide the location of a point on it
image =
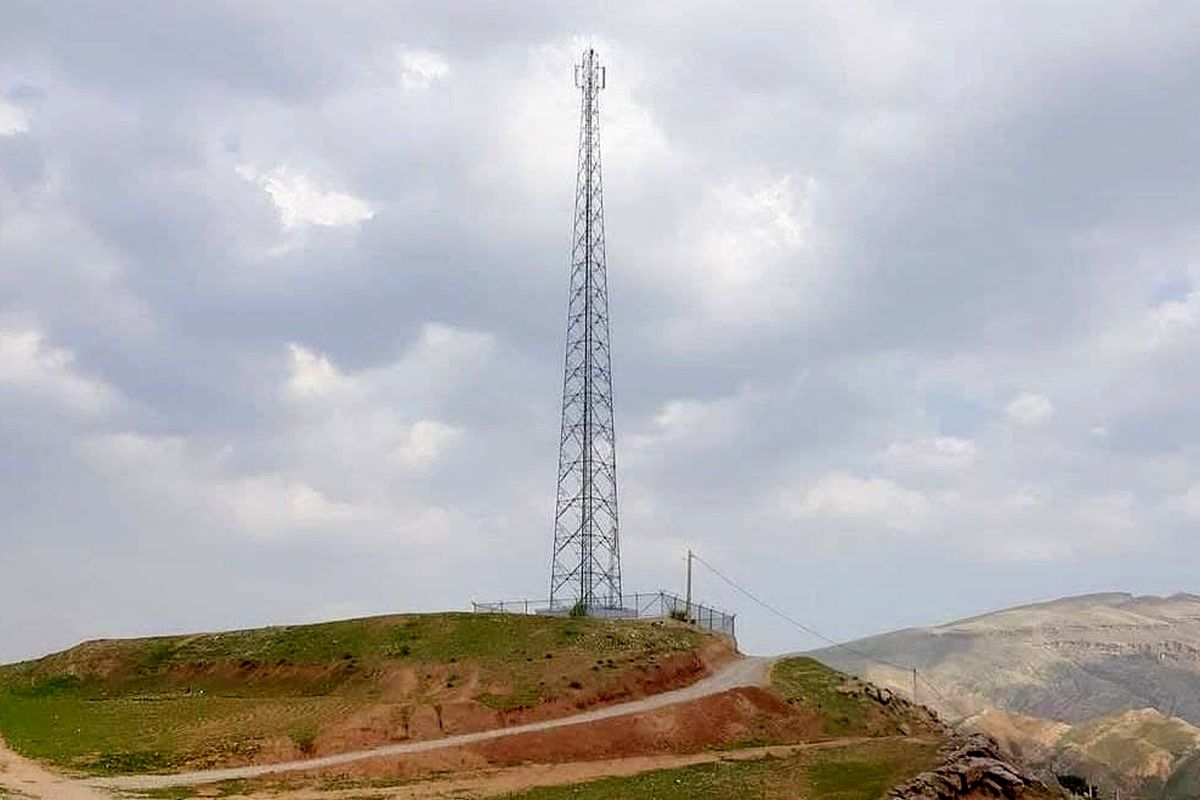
(1141, 753)
(1069, 660)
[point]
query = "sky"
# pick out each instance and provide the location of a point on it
(905, 303)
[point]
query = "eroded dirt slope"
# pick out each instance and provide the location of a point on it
(282, 693)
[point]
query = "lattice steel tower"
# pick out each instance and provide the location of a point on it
(586, 567)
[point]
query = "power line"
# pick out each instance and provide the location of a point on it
(833, 643)
(786, 618)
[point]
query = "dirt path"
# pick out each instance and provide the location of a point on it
(743, 672)
(508, 780)
(20, 777)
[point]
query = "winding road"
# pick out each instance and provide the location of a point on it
(22, 775)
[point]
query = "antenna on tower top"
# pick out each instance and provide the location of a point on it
(586, 564)
(590, 67)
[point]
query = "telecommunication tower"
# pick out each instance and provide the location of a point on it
(586, 564)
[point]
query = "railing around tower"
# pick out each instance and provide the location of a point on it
(642, 605)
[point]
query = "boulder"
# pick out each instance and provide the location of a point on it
(972, 766)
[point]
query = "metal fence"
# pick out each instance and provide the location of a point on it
(648, 605)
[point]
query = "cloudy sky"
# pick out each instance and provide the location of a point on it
(906, 302)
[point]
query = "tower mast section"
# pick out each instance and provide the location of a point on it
(586, 563)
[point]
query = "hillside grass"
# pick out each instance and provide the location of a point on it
(858, 772)
(824, 704)
(167, 702)
(850, 772)
(805, 681)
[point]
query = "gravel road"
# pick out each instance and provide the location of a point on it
(743, 672)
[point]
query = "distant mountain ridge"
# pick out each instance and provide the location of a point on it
(1069, 660)
(1102, 686)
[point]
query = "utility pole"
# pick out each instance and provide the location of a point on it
(914, 685)
(689, 585)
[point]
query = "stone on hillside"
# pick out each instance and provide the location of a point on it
(972, 766)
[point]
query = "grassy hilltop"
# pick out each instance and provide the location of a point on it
(246, 697)
(260, 695)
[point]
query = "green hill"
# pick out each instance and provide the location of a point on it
(116, 706)
(274, 694)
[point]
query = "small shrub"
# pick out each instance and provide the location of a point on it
(524, 697)
(157, 655)
(47, 686)
(579, 609)
(305, 739)
(137, 761)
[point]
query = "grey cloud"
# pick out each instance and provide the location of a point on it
(985, 202)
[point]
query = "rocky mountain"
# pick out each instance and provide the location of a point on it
(1069, 660)
(1105, 686)
(1142, 753)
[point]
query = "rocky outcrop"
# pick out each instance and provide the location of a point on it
(973, 766)
(856, 687)
(910, 719)
(1139, 753)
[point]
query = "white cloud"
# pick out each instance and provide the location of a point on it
(1185, 504)
(445, 349)
(1173, 319)
(748, 257)
(55, 263)
(932, 452)
(420, 69)
(311, 373)
(441, 357)
(272, 504)
(536, 141)
(812, 213)
(338, 450)
(843, 496)
(301, 202)
(689, 422)
(1034, 523)
(34, 368)
(13, 120)
(425, 441)
(1029, 409)
(363, 429)
(750, 234)
(189, 479)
